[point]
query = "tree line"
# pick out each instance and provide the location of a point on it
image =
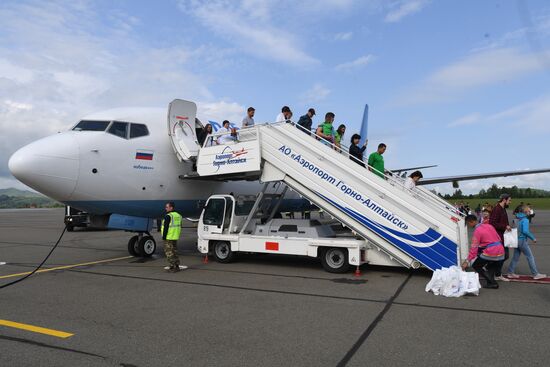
(495, 191)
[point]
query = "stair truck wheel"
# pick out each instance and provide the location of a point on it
(222, 251)
(146, 246)
(335, 259)
(132, 246)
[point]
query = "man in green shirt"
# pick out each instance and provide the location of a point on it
(326, 130)
(376, 161)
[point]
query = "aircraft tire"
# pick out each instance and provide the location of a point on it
(146, 246)
(222, 252)
(132, 246)
(70, 228)
(335, 260)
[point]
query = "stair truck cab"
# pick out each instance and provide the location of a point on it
(228, 226)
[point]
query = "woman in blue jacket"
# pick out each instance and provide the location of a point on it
(523, 246)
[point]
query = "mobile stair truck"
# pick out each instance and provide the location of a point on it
(225, 228)
(398, 226)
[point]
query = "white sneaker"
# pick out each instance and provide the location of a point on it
(503, 279)
(182, 267)
(512, 276)
(539, 276)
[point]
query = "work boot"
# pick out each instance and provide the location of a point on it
(172, 269)
(484, 275)
(491, 285)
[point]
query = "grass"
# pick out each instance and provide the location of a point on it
(536, 203)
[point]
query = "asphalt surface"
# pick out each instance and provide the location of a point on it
(260, 311)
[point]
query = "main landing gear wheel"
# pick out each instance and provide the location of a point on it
(132, 246)
(335, 260)
(146, 246)
(222, 252)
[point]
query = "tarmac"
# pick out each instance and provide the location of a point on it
(96, 306)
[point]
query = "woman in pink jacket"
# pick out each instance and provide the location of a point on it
(485, 252)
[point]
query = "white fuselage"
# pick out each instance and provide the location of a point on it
(102, 173)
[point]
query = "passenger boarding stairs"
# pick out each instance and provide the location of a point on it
(413, 227)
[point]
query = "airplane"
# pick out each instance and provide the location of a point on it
(122, 165)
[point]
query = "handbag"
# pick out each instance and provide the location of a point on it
(511, 238)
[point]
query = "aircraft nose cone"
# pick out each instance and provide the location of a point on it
(48, 165)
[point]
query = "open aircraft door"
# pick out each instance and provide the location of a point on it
(181, 128)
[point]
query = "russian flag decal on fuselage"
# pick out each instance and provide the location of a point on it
(146, 155)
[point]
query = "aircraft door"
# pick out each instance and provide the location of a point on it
(181, 128)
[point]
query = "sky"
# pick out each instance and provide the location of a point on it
(460, 84)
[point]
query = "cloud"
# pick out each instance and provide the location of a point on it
(222, 110)
(476, 70)
(538, 28)
(466, 120)
(251, 26)
(343, 36)
(316, 93)
(55, 67)
(14, 73)
(485, 68)
(404, 8)
(358, 63)
(532, 116)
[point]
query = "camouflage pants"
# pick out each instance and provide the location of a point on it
(171, 252)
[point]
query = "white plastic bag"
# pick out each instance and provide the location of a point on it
(511, 238)
(451, 285)
(453, 282)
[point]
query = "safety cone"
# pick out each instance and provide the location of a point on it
(357, 272)
(205, 259)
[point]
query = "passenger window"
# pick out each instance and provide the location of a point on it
(288, 228)
(137, 130)
(119, 129)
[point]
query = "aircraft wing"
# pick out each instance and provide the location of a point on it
(455, 179)
(399, 170)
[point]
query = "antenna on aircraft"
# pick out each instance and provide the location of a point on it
(365, 124)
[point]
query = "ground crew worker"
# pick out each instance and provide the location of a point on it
(171, 230)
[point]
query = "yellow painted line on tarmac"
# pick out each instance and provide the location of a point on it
(35, 329)
(65, 267)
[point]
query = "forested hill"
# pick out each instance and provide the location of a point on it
(15, 198)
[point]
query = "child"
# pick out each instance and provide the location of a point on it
(523, 246)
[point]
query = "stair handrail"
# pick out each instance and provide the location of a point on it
(394, 179)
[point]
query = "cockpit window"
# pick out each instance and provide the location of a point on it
(88, 125)
(137, 130)
(119, 129)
